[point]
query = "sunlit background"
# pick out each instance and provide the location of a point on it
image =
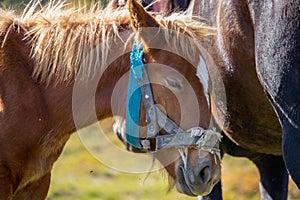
(78, 175)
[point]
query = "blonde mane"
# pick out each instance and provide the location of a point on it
(61, 36)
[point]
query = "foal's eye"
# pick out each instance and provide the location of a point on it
(174, 83)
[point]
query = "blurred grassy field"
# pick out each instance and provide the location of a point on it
(78, 175)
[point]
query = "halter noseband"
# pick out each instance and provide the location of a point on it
(139, 87)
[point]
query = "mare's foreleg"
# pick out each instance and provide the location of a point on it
(273, 177)
(291, 152)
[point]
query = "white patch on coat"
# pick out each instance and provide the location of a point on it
(202, 74)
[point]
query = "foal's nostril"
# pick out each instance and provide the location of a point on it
(195, 181)
(205, 175)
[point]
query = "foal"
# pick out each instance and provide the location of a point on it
(47, 54)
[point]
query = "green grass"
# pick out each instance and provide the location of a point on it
(79, 175)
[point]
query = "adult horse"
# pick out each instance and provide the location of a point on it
(258, 44)
(48, 54)
(262, 36)
(258, 58)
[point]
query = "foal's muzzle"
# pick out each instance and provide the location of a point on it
(197, 180)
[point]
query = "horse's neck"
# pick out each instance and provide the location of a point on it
(58, 100)
(91, 98)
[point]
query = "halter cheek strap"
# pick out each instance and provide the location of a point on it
(139, 87)
(134, 96)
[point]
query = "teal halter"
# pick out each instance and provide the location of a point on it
(139, 87)
(134, 95)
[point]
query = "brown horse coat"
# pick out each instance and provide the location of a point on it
(40, 55)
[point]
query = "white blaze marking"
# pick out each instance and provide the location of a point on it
(203, 76)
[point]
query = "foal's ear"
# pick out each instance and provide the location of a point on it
(139, 17)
